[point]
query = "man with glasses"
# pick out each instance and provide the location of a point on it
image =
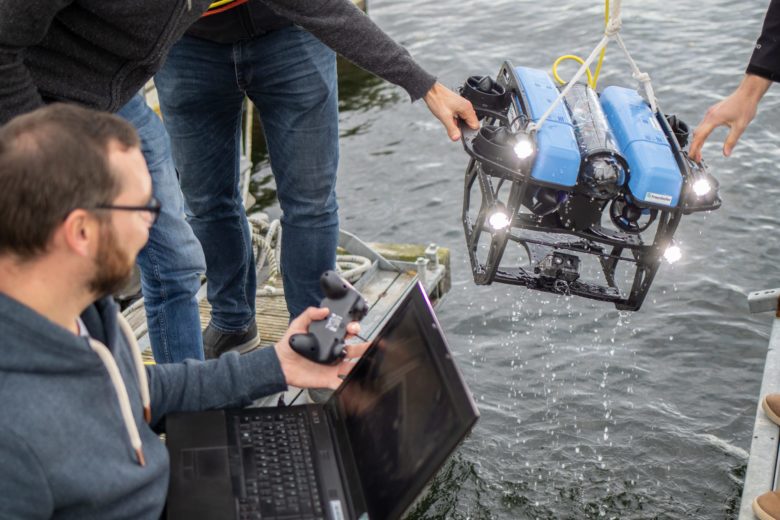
(81, 411)
(151, 209)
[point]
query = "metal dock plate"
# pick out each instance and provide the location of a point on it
(762, 471)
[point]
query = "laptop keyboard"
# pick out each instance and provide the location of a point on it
(280, 482)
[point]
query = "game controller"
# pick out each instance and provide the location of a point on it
(324, 343)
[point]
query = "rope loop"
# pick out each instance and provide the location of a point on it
(642, 77)
(613, 26)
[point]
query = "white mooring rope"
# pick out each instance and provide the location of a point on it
(267, 242)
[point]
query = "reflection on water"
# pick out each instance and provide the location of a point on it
(586, 412)
(360, 90)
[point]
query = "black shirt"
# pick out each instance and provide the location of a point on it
(243, 22)
(765, 61)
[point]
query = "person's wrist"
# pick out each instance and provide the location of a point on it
(280, 356)
(753, 87)
(433, 92)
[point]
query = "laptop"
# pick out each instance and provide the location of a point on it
(366, 453)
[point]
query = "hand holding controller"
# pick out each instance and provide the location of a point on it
(324, 343)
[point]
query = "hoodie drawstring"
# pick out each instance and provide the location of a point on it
(121, 390)
(140, 369)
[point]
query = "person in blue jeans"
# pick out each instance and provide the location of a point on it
(172, 261)
(291, 78)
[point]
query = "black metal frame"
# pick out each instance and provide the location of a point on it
(540, 235)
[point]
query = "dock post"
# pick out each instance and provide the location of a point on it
(432, 254)
(422, 269)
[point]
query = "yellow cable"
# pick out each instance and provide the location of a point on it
(592, 78)
(573, 58)
(219, 3)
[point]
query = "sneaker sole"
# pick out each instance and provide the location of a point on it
(249, 346)
(760, 513)
(769, 413)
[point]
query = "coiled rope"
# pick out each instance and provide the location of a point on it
(267, 244)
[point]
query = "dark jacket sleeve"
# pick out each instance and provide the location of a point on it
(765, 61)
(22, 25)
(230, 381)
(343, 27)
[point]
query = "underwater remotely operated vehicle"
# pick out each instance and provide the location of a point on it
(583, 203)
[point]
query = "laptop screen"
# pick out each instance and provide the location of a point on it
(404, 408)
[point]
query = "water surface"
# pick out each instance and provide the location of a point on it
(587, 412)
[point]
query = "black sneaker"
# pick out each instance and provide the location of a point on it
(216, 343)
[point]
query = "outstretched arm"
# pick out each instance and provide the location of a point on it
(735, 112)
(234, 380)
(739, 109)
(348, 31)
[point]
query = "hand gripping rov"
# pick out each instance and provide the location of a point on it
(576, 192)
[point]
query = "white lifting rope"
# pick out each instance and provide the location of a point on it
(612, 30)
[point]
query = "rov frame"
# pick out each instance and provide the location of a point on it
(554, 241)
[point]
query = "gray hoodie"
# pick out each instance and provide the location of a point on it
(98, 53)
(65, 449)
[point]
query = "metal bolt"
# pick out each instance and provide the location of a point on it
(422, 269)
(432, 254)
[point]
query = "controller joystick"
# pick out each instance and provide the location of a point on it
(324, 343)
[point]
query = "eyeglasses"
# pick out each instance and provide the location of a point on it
(153, 208)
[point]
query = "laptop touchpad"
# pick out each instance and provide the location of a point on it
(204, 463)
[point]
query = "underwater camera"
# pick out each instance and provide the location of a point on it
(602, 178)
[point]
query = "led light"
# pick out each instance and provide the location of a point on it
(702, 187)
(524, 147)
(672, 254)
(498, 220)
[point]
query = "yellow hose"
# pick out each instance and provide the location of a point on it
(219, 3)
(592, 78)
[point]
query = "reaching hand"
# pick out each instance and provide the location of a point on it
(303, 373)
(736, 112)
(448, 107)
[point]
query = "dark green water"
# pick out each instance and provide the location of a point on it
(586, 412)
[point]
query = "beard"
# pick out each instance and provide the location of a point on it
(113, 266)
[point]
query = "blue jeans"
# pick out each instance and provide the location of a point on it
(291, 78)
(172, 260)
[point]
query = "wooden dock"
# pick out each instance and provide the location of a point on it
(394, 267)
